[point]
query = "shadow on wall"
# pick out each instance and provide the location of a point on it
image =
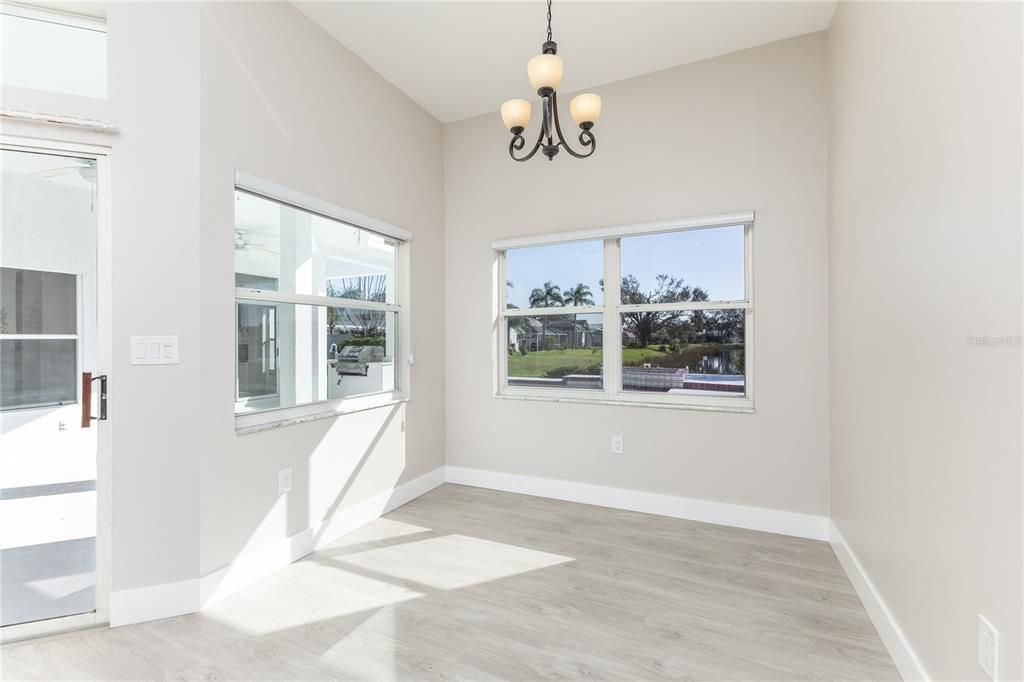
(347, 485)
(336, 464)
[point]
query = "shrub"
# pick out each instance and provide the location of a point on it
(565, 370)
(365, 341)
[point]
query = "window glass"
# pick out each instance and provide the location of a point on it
(245, 281)
(37, 372)
(37, 302)
(293, 354)
(257, 350)
(45, 54)
(555, 351)
(555, 275)
(678, 329)
(691, 265)
(684, 352)
(299, 252)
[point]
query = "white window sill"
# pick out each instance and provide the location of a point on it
(741, 406)
(255, 422)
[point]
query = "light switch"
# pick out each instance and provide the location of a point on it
(154, 350)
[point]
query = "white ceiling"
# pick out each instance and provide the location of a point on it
(462, 59)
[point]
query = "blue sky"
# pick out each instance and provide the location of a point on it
(711, 259)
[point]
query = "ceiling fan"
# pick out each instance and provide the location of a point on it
(243, 244)
(85, 169)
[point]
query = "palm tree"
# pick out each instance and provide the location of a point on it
(548, 296)
(578, 295)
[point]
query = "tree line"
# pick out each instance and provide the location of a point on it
(650, 327)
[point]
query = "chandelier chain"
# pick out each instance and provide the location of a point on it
(549, 21)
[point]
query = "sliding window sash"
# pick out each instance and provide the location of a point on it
(269, 296)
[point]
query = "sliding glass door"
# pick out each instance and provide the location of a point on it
(48, 337)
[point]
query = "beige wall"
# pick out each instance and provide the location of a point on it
(155, 220)
(742, 131)
(311, 116)
(925, 246)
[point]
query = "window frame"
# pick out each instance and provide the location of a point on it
(76, 336)
(53, 15)
(612, 392)
(258, 420)
(68, 19)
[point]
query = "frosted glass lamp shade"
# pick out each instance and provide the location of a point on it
(545, 71)
(585, 108)
(515, 113)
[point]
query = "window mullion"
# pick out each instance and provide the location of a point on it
(554, 311)
(611, 335)
(684, 305)
(262, 295)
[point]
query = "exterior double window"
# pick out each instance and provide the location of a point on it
(657, 314)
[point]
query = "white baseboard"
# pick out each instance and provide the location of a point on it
(188, 596)
(907, 662)
(153, 602)
(722, 513)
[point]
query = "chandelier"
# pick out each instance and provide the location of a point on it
(545, 73)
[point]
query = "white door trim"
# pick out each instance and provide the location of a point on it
(104, 355)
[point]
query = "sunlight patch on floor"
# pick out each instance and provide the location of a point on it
(62, 586)
(29, 521)
(304, 593)
(451, 561)
(380, 530)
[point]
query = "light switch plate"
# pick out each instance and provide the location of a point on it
(154, 350)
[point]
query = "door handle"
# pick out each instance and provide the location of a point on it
(87, 379)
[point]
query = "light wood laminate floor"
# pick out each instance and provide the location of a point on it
(465, 583)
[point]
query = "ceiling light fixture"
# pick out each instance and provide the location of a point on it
(545, 72)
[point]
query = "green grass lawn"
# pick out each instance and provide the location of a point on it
(541, 362)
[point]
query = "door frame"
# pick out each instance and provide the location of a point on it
(103, 365)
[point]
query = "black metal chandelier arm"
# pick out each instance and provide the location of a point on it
(586, 137)
(587, 140)
(518, 142)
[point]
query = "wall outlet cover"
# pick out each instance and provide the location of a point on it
(617, 444)
(988, 648)
(284, 481)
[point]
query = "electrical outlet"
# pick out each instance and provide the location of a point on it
(284, 481)
(988, 647)
(617, 444)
